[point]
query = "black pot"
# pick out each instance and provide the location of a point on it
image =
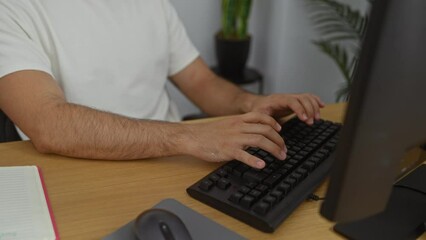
(232, 56)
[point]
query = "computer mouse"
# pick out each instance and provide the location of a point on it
(159, 224)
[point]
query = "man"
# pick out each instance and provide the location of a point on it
(81, 78)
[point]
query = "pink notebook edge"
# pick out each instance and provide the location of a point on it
(49, 206)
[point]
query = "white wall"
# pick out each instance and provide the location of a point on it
(281, 49)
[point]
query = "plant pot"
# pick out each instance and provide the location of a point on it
(232, 55)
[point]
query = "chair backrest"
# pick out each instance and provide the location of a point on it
(8, 131)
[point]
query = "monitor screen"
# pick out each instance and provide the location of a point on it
(386, 114)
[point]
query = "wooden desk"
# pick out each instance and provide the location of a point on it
(91, 199)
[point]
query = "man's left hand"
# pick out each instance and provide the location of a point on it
(305, 106)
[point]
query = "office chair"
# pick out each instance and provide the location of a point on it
(8, 131)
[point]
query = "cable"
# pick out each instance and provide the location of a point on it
(314, 197)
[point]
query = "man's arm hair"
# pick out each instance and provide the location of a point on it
(34, 101)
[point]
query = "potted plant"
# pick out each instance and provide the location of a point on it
(233, 41)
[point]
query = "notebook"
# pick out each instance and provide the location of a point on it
(25, 212)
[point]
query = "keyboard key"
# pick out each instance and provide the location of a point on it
(308, 149)
(291, 153)
(302, 172)
(317, 132)
(300, 145)
(261, 208)
(290, 181)
(323, 126)
(296, 176)
(288, 166)
(277, 194)
(262, 188)
(222, 173)
(330, 146)
(251, 151)
(255, 148)
(269, 159)
(284, 187)
(274, 165)
(283, 171)
(238, 171)
(206, 185)
(235, 198)
(247, 201)
(315, 160)
(309, 165)
(254, 193)
(251, 185)
(297, 149)
(272, 180)
(313, 145)
(262, 153)
(324, 151)
(322, 137)
(267, 170)
(231, 165)
(293, 161)
(320, 155)
(223, 183)
(214, 178)
(244, 189)
(270, 199)
(254, 176)
(303, 154)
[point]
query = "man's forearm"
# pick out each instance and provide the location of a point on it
(78, 131)
(214, 95)
(222, 97)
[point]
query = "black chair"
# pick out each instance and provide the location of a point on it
(8, 131)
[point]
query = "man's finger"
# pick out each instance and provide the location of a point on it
(266, 131)
(309, 109)
(264, 143)
(319, 101)
(298, 109)
(315, 105)
(249, 159)
(255, 117)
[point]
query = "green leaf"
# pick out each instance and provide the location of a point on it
(235, 14)
(339, 26)
(328, 14)
(229, 8)
(339, 56)
(342, 37)
(343, 93)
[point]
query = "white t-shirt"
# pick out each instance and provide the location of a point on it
(111, 55)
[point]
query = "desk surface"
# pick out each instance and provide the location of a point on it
(91, 198)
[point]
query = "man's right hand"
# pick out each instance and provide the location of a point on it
(228, 138)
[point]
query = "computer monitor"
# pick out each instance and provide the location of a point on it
(386, 113)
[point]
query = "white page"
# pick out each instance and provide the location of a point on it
(24, 213)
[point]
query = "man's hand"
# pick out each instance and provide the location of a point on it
(227, 139)
(305, 106)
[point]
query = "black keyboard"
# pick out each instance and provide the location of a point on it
(264, 198)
